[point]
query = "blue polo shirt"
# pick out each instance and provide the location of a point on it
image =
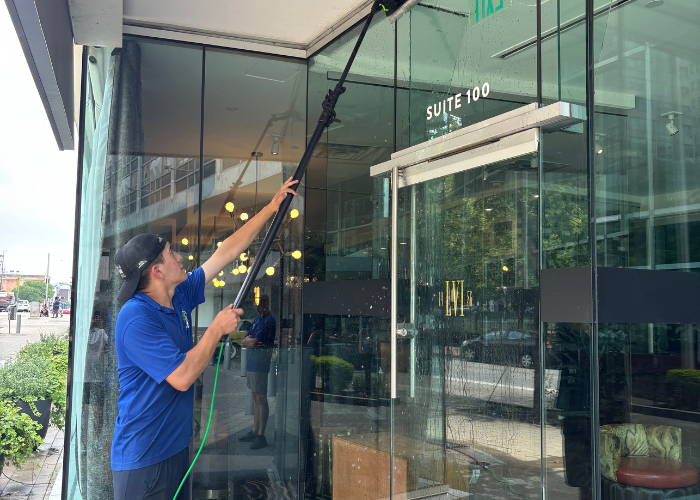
(154, 420)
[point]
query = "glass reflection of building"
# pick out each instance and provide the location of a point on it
(549, 338)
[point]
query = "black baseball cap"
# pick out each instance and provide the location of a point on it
(133, 258)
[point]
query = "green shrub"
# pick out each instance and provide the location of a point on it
(54, 349)
(30, 379)
(683, 382)
(377, 386)
(18, 435)
(336, 373)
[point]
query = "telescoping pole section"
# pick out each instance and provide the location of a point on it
(327, 117)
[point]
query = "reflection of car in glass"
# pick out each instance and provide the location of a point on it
(238, 335)
(6, 300)
(66, 310)
(22, 306)
(236, 338)
(511, 347)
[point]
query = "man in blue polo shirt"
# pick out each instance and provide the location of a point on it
(157, 364)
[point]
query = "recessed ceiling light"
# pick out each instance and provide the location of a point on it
(651, 4)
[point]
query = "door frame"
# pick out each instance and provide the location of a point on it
(502, 137)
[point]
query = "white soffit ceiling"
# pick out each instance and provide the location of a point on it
(294, 24)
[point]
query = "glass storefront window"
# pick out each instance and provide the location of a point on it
(136, 145)
(646, 182)
(463, 62)
(253, 137)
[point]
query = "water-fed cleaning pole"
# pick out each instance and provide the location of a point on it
(327, 117)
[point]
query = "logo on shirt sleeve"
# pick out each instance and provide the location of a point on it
(184, 318)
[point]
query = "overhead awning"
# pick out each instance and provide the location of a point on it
(44, 31)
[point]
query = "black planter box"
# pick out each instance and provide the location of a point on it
(44, 407)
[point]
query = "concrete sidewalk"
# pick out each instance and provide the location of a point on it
(37, 478)
(31, 330)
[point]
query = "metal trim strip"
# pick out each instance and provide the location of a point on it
(505, 149)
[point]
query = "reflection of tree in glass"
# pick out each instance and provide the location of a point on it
(565, 232)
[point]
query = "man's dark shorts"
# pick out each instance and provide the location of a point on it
(257, 382)
(155, 482)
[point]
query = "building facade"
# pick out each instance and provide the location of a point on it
(12, 280)
(487, 285)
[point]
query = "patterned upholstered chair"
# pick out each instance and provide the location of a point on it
(643, 462)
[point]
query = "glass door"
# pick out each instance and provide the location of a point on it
(466, 413)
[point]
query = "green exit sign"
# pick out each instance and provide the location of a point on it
(484, 8)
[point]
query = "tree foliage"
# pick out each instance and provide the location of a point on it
(33, 291)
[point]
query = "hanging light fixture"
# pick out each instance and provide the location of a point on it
(235, 271)
(218, 244)
(242, 268)
(294, 213)
(221, 273)
(598, 146)
(244, 216)
(191, 257)
(270, 271)
(275, 145)
(185, 241)
(229, 207)
(296, 254)
(243, 257)
(671, 125)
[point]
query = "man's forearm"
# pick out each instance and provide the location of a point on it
(241, 239)
(196, 360)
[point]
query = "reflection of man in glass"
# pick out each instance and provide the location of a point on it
(259, 342)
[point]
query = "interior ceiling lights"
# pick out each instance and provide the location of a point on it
(229, 207)
(294, 213)
(244, 216)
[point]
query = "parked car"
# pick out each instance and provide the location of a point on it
(238, 335)
(512, 347)
(22, 306)
(4, 304)
(235, 337)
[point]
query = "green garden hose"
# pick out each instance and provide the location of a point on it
(211, 411)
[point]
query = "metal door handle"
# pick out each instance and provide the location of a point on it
(402, 332)
(394, 275)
